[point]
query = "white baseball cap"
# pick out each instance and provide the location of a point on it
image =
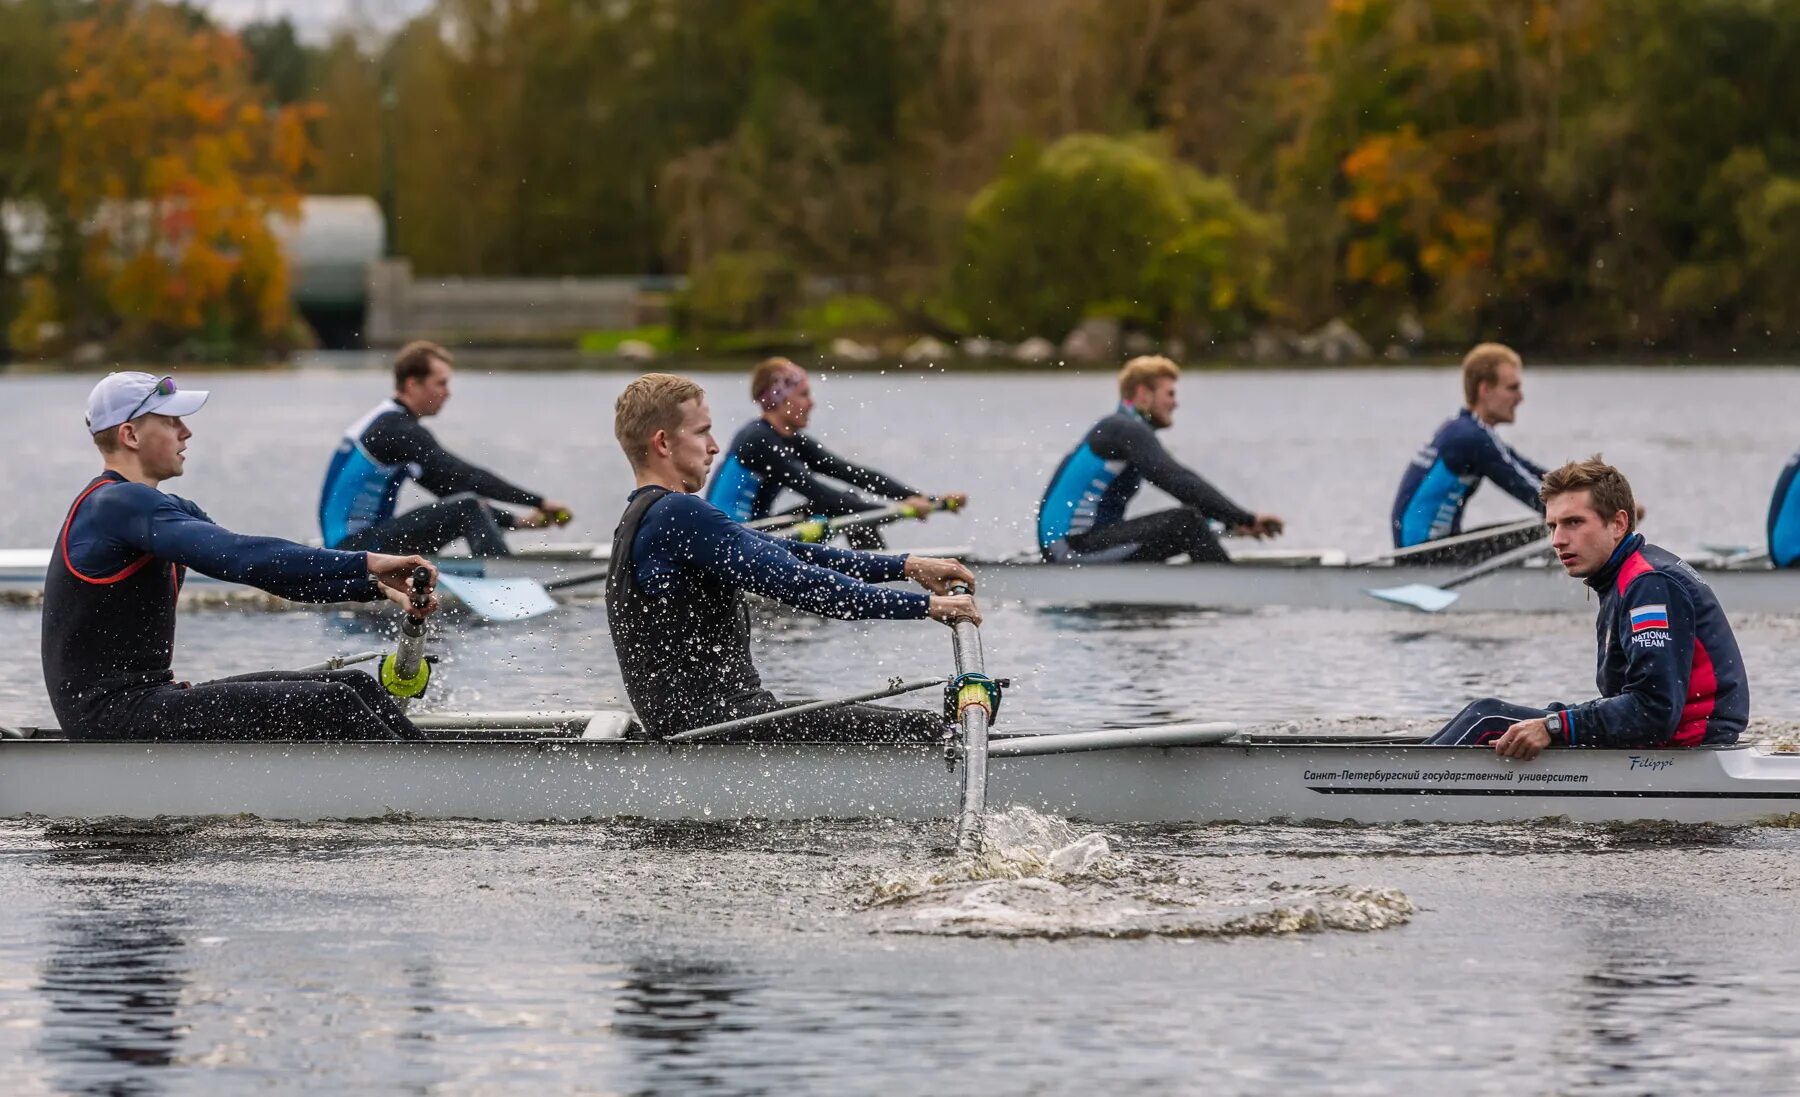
(122, 397)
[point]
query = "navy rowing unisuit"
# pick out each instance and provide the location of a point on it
(1445, 473)
(109, 626)
(681, 629)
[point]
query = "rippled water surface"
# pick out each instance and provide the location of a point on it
(231, 956)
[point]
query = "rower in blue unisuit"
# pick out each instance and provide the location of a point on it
(773, 452)
(1669, 672)
(675, 595)
(116, 572)
(1444, 474)
(1081, 518)
(390, 445)
(1784, 517)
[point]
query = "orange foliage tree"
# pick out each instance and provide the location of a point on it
(172, 163)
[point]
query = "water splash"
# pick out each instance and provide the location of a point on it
(1037, 877)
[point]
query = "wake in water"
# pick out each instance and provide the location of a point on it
(1036, 877)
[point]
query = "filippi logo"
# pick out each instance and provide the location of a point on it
(1652, 764)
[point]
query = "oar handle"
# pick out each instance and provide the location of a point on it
(405, 673)
(414, 625)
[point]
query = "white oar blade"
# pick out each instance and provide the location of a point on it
(499, 599)
(1419, 596)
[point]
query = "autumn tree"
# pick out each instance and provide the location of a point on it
(171, 162)
(1576, 173)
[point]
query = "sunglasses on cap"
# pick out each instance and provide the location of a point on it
(164, 387)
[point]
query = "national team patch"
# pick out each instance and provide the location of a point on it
(1649, 617)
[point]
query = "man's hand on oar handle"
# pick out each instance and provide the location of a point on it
(394, 573)
(552, 513)
(958, 605)
(936, 574)
(921, 506)
(1262, 525)
(952, 609)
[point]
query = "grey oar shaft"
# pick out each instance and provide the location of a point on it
(842, 521)
(1469, 540)
(502, 720)
(966, 645)
(411, 648)
(409, 653)
(339, 662)
(1504, 560)
(774, 522)
(892, 689)
(598, 575)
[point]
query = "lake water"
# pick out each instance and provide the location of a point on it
(224, 956)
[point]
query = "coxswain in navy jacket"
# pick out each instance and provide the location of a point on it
(1444, 474)
(1670, 674)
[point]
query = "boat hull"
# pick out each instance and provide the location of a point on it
(525, 780)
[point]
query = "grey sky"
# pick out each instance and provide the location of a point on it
(316, 18)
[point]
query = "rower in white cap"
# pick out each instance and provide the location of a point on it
(111, 588)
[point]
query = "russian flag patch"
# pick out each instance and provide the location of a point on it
(1649, 617)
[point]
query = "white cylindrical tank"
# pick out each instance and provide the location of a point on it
(330, 247)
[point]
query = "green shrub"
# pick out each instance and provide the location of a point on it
(1097, 225)
(845, 314)
(660, 336)
(738, 292)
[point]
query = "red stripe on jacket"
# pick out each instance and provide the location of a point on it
(1702, 696)
(1634, 566)
(62, 544)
